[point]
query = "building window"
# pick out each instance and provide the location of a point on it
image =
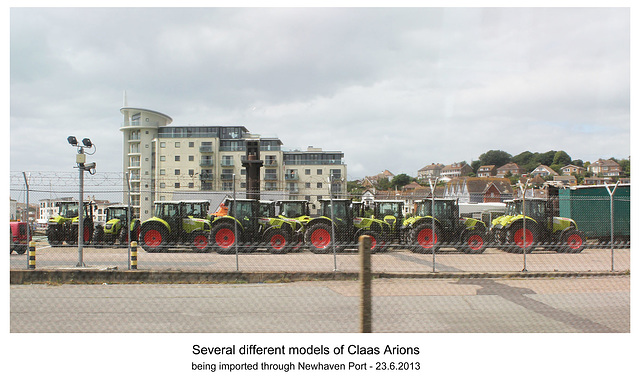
(191, 172)
(319, 185)
(191, 144)
(177, 172)
(177, 144)
(307, 171)
(163, 144)
(307, 185)
(177, 158)
(191, 158)
(163, 158)
(191, 185)
(162, 185)
(162, 172)
(319, 171)
(177, 185)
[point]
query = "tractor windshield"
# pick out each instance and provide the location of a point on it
(536, 209)
(424, 209)
(444, 210)
(68, 210)
(389, 209)
(266, 209)
(166, 210)
(196, 209)
(242, 210)
(293, 209)
(119, 213)
(340, 211)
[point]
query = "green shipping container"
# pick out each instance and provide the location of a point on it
(589, 207)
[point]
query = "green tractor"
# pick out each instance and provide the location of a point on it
(538, 227)
(431, 229)
(113, 230)
(64, 226)
(390, 211)
(344, 222)
(177, 223)
(296, 211)
(249, 224)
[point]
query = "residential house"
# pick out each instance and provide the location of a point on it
(543, 171)
(487, 171)
(455, 170)
(566, 180)
(479, 190)
(595, 180)
(372, 181)
(607, 168)
(570, 169)
(509, 168)
(431, 171)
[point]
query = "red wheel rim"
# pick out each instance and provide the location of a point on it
(225, 238)
(320, 238)
(278, 241)
(521, 238)
(200, 241)
(374, 242)
(153, 238)
(574, 241)
(475, 242)
(426, 238)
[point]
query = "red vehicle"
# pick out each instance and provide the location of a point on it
(18, 238)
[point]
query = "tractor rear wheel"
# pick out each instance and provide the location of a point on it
(473, 242)
(278, 240)
(424, 238)
(519, 238)
(318, 238)
(572, 241)
(223, 238)
(153, 238)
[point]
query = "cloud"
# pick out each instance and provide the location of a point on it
(394, 88)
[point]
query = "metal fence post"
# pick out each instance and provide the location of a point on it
(32, 255)
(365, 283)
(611, 193)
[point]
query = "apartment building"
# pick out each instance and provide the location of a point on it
(162, 160)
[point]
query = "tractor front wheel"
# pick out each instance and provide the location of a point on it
(473, 242)
(200, 242)
(572, 241)
(278, 241)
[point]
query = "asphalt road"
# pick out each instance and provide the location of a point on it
(466, 305)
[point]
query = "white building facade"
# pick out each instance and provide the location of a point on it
(163, 160)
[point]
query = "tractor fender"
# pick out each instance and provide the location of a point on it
(474, 224)
(227, 220)
(280, 226)
(560, 224)
(192, 224)
(323, 220)
(423, 220)
(156, 220)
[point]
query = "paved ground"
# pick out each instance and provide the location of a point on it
(465, 305)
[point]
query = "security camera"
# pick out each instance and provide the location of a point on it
(90, 166)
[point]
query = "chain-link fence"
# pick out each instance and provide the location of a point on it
(579, 229)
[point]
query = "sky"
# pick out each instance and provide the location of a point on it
(393, 88)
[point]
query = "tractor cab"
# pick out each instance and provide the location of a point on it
(390, 212)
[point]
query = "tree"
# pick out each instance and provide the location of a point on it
(400, 180)
(494, 157)
(383, 183)
(561, 158)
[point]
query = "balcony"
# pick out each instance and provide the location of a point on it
(291, 176)
(227, 163)
(271, 163)
(206, 176)
(270, 177)
(226, 177)
(206, 149)
(206, 163)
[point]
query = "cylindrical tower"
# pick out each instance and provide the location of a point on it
(140, 135)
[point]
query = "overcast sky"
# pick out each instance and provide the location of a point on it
(394, 89)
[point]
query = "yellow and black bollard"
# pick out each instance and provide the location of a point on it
(32, 255)
(134, 255)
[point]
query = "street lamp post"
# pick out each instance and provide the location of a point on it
(81, 159)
